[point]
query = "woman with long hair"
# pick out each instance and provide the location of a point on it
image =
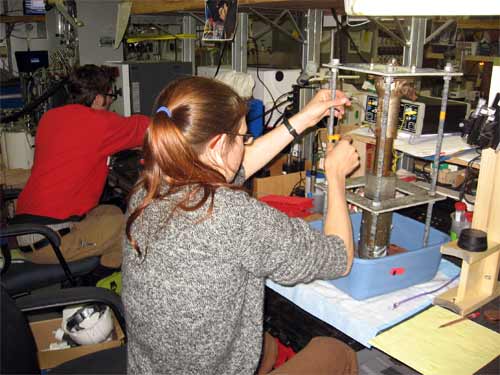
(199, 248)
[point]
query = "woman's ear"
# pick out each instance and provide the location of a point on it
(216, 148)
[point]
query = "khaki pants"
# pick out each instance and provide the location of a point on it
(100, 233)
(322, 356)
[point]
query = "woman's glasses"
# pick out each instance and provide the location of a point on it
(248, 138)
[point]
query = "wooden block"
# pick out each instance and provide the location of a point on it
(471, 303)
(486, 186)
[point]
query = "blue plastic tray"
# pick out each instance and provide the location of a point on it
(373, 277)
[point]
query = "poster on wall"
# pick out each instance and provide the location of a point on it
(220, 20)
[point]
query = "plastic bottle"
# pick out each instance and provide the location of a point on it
(469, 215)
(458, 220)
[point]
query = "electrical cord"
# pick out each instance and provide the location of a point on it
(357, 24)
(278, 120)
(298, 184)
(269, 110)
(346, 33)
(399, 303)
(468, 180)
(261, 81)
(220, 58)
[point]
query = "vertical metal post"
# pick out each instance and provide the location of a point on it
(239, 50)
(311, 52)
(5, 4)
(311, 56)
(383, 133)
(413, 51)
(437, 155)
(333, 88)
(188, 45)
(332, 44)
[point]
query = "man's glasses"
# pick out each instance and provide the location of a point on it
(248, 138)
(112, 96)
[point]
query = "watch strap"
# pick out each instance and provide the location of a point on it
(290, 128)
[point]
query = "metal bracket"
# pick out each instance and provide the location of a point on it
(395, 71)
(415, 197)
(274, 23)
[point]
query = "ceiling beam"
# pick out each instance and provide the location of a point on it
(160, 6)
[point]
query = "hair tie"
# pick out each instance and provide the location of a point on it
(164, 109)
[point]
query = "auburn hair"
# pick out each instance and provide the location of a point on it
(201, 108)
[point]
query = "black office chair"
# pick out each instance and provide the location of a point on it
(21, 276)
(17, 345)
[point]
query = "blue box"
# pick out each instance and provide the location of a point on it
(373, 277)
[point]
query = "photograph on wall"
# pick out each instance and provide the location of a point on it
(220, 20)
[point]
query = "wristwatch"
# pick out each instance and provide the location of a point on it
(290, 128)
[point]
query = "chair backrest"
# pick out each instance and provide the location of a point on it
(17, 345)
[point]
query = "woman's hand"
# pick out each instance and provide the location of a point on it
(341, 160)
(319, 107)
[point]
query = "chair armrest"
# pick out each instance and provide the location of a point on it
(22, 229)
(47, 299)
(10, 193)
(53, 238)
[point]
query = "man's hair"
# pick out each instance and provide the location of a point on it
(88, 81)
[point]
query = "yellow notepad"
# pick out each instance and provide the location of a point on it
(462, 348)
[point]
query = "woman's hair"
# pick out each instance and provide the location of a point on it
(88, 81)
(201, 108)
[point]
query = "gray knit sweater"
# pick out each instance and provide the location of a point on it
(194, 305)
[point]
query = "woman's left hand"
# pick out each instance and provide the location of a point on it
(319, 107)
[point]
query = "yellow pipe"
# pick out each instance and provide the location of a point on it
(136, 39)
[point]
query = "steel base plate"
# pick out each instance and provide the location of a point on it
(415, 196)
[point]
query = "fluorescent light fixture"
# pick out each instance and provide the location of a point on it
(422, 7)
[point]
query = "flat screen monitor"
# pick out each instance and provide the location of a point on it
(29, 61)
(33, 7)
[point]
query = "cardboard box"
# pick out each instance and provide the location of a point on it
(277, 183)
(44, 336)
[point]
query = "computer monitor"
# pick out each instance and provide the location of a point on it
(29, 61)
(33, 7)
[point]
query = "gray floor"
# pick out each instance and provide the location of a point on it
(375, 362)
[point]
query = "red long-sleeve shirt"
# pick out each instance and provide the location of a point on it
(72, 146)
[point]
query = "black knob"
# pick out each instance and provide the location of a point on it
(473, 240)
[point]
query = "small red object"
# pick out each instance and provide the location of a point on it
(284, 354)
(397, 271)
(469, 215)
(292, 206)
(460, 206)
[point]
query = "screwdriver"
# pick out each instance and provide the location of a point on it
(470, 316)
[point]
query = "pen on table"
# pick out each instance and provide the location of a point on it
(470, 316)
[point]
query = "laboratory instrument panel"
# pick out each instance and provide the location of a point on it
(419, 117)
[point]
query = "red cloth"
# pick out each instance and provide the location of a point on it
(284, 354)
(292, 206)
(72, 146)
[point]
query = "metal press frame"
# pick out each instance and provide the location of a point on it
(416, 195)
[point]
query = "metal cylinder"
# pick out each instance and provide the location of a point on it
(380, 180)
(401, 87)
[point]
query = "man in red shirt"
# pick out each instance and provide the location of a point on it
(72, 146)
